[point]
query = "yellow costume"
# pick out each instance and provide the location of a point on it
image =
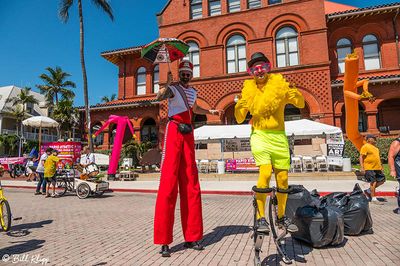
(269, 145)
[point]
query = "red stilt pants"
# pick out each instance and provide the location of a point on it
(178, 169)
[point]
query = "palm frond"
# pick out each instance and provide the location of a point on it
(63, 11)
(105, 6)
(69, 84)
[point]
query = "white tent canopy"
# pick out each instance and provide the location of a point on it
(301, 128)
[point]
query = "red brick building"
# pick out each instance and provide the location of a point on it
(306, 40)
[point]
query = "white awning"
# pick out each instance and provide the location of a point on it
(303, 128)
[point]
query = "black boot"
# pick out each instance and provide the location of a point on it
(165, 251)
(262, 226)
(193, 245)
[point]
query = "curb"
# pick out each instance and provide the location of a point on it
(207, 192)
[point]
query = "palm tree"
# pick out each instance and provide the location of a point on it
(66, 115)
(65, 5)
(56, 84)
(105, 99)
(19, 105)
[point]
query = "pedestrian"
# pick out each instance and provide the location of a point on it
(370, 164)
(87, 158)
(178, 165)
(31, 166)
(265, 96)
(50, 169)
(394, 165)
(40, 170)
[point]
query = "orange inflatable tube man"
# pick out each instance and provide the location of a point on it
(351, 98)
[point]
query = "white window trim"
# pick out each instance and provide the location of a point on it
(343, 46)
(286, 44)
(236, 50)
(376, 42)
(141, 83)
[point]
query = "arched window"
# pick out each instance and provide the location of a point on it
(149, 131)
(156, 79)
(194, 57)
(371, 52)
(141, 81)
(343, 48)
(287, 50)
(253, 3)
(196, 9)
(236, 54)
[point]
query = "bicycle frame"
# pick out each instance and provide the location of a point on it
(2, 199)
(272, 215)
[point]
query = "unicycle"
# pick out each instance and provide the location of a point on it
(278, 232)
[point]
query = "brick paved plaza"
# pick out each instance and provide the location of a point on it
(117, 230)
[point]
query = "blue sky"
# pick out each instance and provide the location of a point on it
(32, 38)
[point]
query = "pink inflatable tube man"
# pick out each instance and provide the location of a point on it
(121, 122)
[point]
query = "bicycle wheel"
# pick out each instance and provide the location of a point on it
(19, 170)
(61, 186)
(5, 215)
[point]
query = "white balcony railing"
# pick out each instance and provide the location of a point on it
(31, 136)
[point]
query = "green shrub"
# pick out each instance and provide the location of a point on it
(383, 145)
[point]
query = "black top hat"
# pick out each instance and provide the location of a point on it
(257, 57)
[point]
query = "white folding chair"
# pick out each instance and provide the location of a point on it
(213, 166)
(296, 164)
(308, 163)
(322, 163)
(204, 166)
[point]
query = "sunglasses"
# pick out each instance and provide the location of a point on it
(258, 69)
(185, 75)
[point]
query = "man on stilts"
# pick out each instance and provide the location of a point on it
(178, 165)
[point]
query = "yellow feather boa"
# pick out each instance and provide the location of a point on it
(263, 103)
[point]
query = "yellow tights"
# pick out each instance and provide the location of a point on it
(281, 177)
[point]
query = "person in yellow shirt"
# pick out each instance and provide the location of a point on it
(370, 163)
(50, 169)
(265, 97)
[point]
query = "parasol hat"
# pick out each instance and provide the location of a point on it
(186, 65)
(257, 57)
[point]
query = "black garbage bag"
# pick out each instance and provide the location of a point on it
(315, 196)
(319, 226)
(355, 208)
(298, 197)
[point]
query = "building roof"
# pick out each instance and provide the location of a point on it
(128, 103)
(114, 55)
(164, 8)
(372, 79)
(360, 12)
(12, 91)
(4, 95)
(332, 7)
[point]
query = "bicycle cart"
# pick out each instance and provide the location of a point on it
(84, 185)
